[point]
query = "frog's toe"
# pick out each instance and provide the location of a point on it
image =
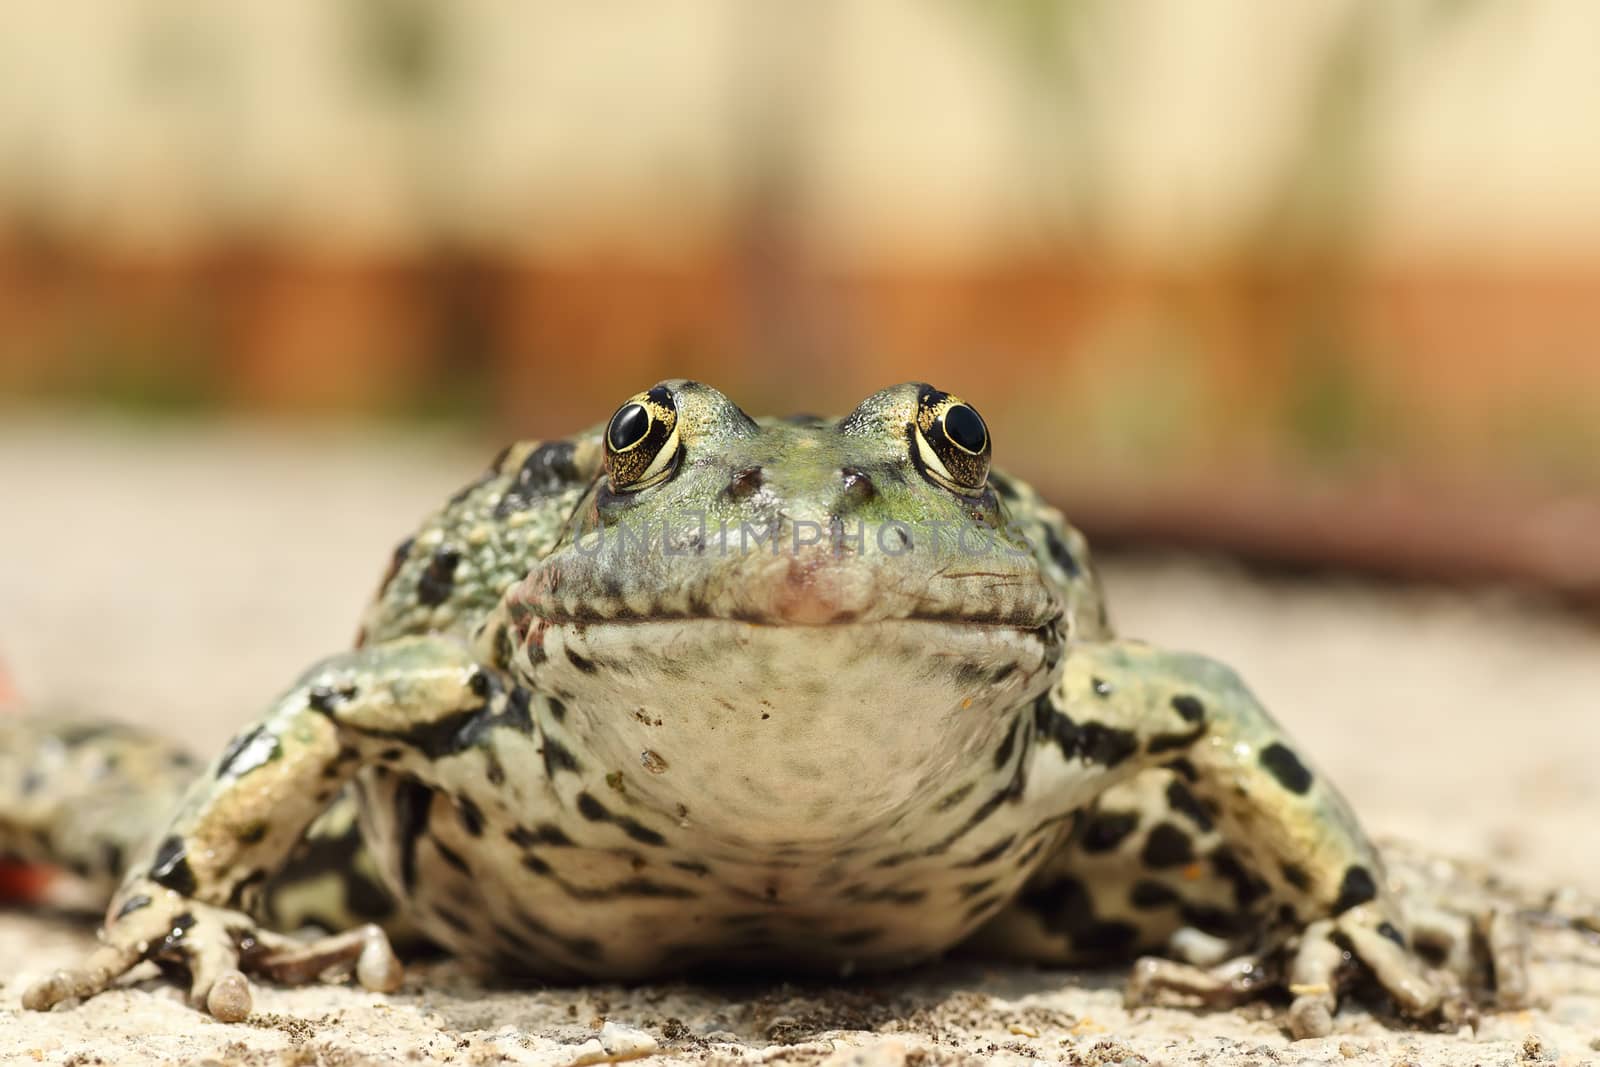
(100, 968)
(365, 951)
(230, 999)
(1156, 980)
(1505, 936)
(1380, 945)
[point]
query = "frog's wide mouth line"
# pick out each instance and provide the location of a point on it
(1040, 629)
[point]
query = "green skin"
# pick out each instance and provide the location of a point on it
(568, 749)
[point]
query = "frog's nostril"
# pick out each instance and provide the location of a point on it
(858, 487)
(744, 483)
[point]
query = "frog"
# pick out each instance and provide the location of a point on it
(694, 690)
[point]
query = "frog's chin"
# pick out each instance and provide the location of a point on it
(792, 733)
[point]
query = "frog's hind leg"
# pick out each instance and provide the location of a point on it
(1142, 871)
(86, 797)
(330, 881)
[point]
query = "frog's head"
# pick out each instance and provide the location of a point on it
(814, 613)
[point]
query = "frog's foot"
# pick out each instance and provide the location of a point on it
(1318, 968)
(1317, 965)
(1157, 980)
(217, 947)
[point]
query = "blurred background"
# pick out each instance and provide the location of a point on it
(1311, 286)
(1312, 283)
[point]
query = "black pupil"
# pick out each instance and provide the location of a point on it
(965, 428)
(628, 426)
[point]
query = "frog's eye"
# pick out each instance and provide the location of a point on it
(642, 441)
(950, 442)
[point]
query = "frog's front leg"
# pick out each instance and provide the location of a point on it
(237, 825)
(1284, 820)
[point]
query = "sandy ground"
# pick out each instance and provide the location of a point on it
(181, 577)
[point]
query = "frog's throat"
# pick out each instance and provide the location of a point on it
(808, 735)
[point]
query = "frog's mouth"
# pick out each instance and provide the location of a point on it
(789, 589)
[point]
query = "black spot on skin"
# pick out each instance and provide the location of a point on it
(181, 925)
(1387, 929)
(990, 854)
(1148, 896)
(1247, 888)
(452, 920)
(971, 889)
(1281, 762)
(1183, 769)
(518, 714)
(983, 906)
(1189, 708)
(412, 801)
(587, 666)
(1064, 899)
(692, 867)
(1358, 887)
(594, 811)
(1181, 800)
(970, 675)
(1092, 741)
(1108, 938)
(253, 834)
(1060, 553)
(557, 757)
(171, 867)
(32, 782)
(1164, 743)
(439, 577)
(396, 561)
(1108, 829)
(744, 483)
(1031, 853)
(447, 735)
(1296, 876)
(1002, 755)
(558, 710)
(1167, 846)
(471, 816)
(452, 857)
(481, 683)
(543, 834)
(247, 751)
(1101, 687)
(503, 649)
(638, 831)
(492, 769)
(248, 887)
(326, 699)
(131, 905)
(1218, 922)
(111, 858)
(391, 754)
(954, 797)
(537, 865)
(548, 469)
(636, 887)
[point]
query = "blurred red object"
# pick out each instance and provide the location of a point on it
(19, 881)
